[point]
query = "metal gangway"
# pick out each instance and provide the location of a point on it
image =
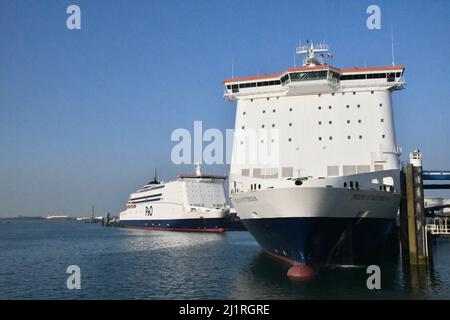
(438, 226)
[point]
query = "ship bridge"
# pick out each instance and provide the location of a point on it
(314, 77)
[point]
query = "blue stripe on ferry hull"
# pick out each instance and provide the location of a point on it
(321, 241)
(208, 225)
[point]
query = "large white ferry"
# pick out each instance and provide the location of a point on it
(334, 183)
(193, 202)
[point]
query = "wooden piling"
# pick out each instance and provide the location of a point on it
(412, 216)
(403, 216)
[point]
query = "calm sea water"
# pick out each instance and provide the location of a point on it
(120, 263)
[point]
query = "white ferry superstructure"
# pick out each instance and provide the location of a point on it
(336, 177)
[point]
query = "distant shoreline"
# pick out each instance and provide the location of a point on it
(23, 218)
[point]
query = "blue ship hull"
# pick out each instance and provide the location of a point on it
(191, 225)
(321, 241)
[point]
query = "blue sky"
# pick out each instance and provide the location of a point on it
(86, 116)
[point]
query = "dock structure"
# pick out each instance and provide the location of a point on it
(416, 229)
(438, 226)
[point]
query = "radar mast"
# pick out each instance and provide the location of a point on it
(310, 51)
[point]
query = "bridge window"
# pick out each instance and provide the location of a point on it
(312, 75)
(391, 77)
(353, 77)
(284, 79)
(334, 76)
(376, 75)
(247, 85)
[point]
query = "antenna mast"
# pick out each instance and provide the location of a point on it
(310, 50)
(392, 46)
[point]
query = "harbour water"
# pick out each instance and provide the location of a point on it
(121, 263)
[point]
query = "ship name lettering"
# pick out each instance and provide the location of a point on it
(246, 199)
(369, 197)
